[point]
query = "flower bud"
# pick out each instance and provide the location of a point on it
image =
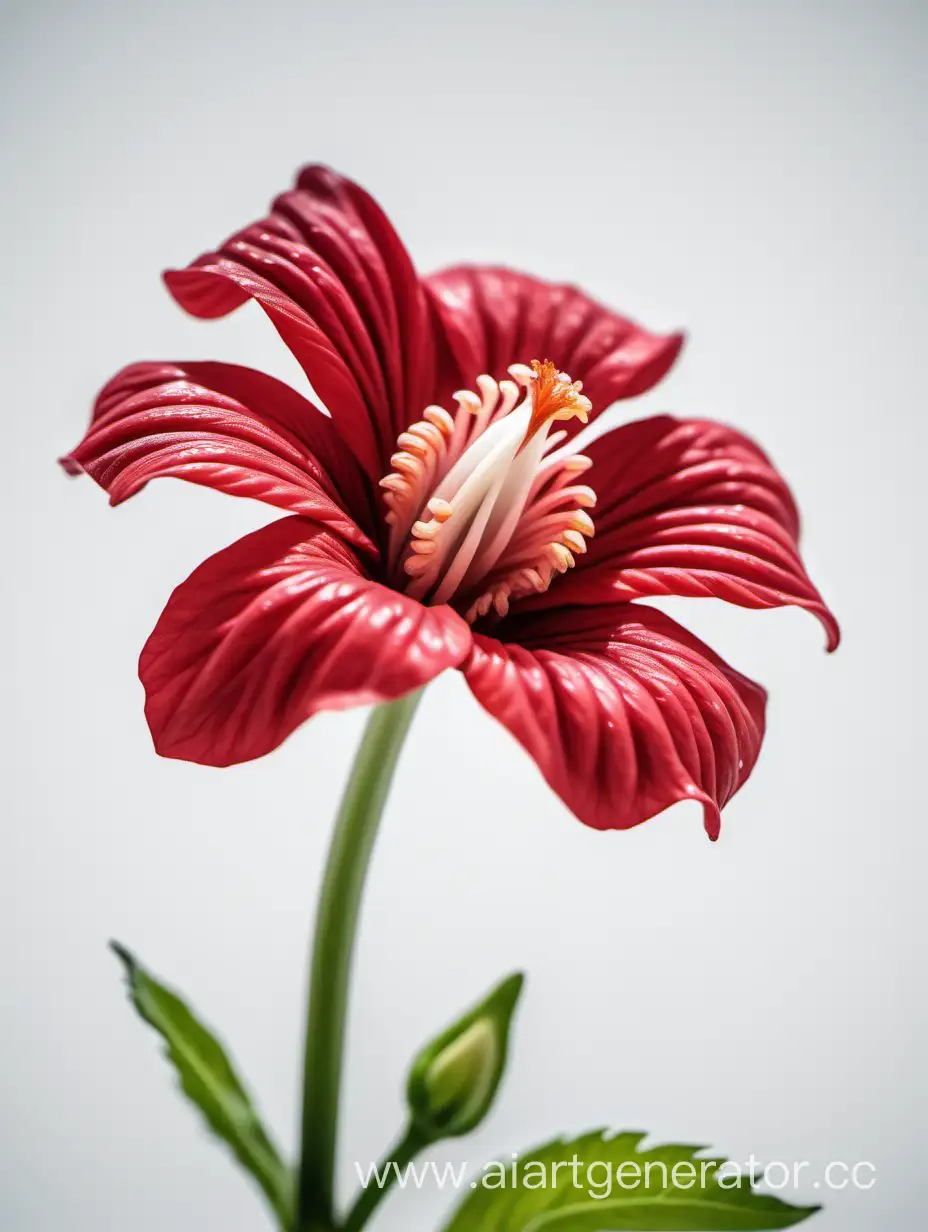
(454, 1080)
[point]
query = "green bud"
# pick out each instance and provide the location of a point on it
(454, 1080)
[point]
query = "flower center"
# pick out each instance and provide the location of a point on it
(482, 506)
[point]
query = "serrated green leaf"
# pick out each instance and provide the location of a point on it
(578, 1199)
(208, 1079)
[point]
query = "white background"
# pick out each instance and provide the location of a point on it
(752, 171)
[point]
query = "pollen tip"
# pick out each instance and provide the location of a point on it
(412, 441)
(440, 509)
(439, 418)
(467, 399)
(561, 557)
(416, 566)
(574, 540)
(522, 373)
(585, 497)
(582, 522)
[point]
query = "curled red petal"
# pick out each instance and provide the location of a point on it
(274, 628)
(334, 278)
(490, 318)
(228, 428)
(693, 508)
(624, 712)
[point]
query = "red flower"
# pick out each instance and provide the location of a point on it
(430, 528)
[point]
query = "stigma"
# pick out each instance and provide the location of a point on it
(482, 505)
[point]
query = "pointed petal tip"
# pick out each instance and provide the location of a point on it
(711, 815)
(204, 293)
(677, 341)
(173, 278)
(832, 629)
(665, 355)
(178, 285)
(310, 175)
(829, 623)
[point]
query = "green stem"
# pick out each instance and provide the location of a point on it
(390, 1171)
(333, 944)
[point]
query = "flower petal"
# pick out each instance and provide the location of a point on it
(227, 427)
(334, 278)
(491, 318)
(279, 625)
(689, 507)
(623, 710)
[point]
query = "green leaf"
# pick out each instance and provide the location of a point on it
(590, 1198)
(209, 1081)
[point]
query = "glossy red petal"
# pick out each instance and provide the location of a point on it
(279, 625)
(229, 428)
(689, 507)
(623, 710)
(491, 318)
(334, 278)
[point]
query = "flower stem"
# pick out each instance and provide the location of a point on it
(390, 1170)
(333, 944)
